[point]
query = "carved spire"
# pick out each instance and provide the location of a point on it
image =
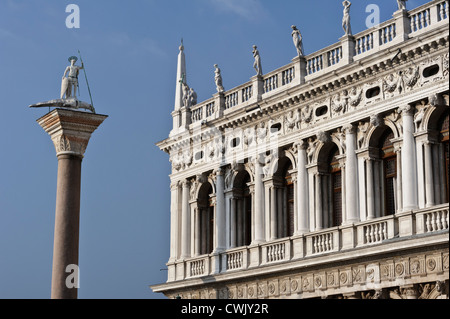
(181, 78)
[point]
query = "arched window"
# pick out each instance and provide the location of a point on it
(389, 159)
(205, 221)
(445, 152)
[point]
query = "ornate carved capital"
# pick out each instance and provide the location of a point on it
(186, 183)
(67, 144)
(406, 110)
(301, 145)
(349, 129)
(70, 130)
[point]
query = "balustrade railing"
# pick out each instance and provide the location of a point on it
(247, 93)
(275, 252)
(231, 100)
(420, 20)
(235, 260)
(197, 268)
(442, 10)
(287, 76)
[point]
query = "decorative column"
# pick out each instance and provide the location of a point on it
(259, 203)
(398, 151)
(185, 221)
(70, 132)
(273, 213)
(351, 176)
(370, 190)
(220, 218)
(174, 188)
(409, 178)
(302, 190)
(198, 226)
(233, 224)
(319, 210)
(429, 180)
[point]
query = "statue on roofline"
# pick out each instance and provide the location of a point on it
(298, 40)
(401, 4)
(346, 19)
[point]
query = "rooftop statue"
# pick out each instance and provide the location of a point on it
(69, 86)
(218, 79)
(346, 19)
(298, 40)
(401, 4)
(257, 64)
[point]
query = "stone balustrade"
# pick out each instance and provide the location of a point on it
(327, 241)
(387, 34)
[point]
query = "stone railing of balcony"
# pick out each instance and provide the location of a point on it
(378, 231)
(403, 26)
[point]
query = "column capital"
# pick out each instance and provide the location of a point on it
(349, 129)
(186, 183)
(70, 130)
(406, 110)
(301, 145)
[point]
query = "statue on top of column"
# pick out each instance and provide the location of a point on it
(401, 4)
(298, 40)
(257, 63)
(69, 84)
(346, 19)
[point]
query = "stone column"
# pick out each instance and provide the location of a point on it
(370, 190)
(70, 132)
(185, 221)
(233, 224)
(198, 227)
(273, 213)
(220, 218)
(174, 221)
(351, 176)
(409, 178)
(398, 151)
(319, 210)
(259, 204)
(429, 182)
(280, 213)
(302, 190)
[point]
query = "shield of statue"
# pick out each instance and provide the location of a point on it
(64, 87)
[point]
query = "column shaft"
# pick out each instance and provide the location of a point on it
(185, 222)
(409, 177)
(67, 224)
(429, 181)
(351, 177)
(302, 192)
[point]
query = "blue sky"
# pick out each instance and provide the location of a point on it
(130, 52)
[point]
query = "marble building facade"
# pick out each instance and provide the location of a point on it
(326, 178)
